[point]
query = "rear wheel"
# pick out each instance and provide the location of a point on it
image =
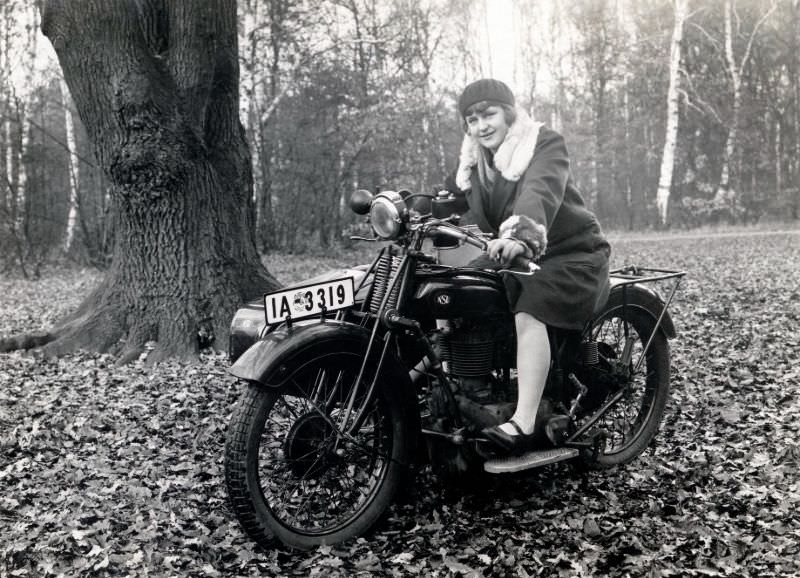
(293, 472)
(632, 423)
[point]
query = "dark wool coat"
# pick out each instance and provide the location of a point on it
(574, 267)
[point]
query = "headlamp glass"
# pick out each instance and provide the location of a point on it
(384, 215)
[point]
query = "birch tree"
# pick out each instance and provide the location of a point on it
(735, 66)
(73, 168)
(681, 8)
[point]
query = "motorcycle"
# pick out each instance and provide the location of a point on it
(355, 378)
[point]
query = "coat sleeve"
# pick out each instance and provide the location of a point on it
(540, 194)
(543, 185)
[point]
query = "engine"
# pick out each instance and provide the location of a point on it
(473, 348)
(478, 355)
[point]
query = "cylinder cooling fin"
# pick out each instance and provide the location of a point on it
(471, 351)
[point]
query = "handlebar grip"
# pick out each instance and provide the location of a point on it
(475, 242)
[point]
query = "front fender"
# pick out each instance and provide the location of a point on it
(277, 357)
(282, 353)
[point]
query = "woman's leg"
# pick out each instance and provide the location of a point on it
(533, 363)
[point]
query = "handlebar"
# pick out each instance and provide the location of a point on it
(448, 229)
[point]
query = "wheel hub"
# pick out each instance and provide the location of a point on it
(310, 446)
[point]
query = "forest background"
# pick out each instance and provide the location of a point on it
(346, 94)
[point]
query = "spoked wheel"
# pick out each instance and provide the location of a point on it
(295, 468)
(632, 423)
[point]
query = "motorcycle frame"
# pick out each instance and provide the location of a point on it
(386, 323)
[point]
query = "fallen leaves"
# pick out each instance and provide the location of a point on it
(112, 470)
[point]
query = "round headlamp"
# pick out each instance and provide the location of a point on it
(387, 214)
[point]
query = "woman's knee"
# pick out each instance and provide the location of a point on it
(525, 322)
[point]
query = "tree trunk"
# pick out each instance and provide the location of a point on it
(15, 174)
(629, 209)
(726, 192)
(73, 166)
(795, 79)
(778, 151)
(156, 86)
(671, 137)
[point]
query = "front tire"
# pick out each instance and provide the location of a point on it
(292, 474)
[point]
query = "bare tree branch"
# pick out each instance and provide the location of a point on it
(758, 24)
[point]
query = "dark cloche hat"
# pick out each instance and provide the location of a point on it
(485, 89)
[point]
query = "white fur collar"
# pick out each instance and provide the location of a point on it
(511, 159)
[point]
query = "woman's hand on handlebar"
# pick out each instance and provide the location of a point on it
(505, 251)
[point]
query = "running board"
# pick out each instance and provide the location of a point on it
(529, 460)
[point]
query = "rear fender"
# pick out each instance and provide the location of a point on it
(645, 299)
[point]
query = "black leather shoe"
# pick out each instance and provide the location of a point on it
(515, 444)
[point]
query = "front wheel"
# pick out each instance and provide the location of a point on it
(632, 423)
(293, 471)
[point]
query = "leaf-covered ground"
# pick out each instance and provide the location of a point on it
(117, 471)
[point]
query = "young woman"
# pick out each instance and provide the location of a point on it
(515, 176)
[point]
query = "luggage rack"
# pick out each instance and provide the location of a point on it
(633, 275)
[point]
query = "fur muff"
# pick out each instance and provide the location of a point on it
(525, 229)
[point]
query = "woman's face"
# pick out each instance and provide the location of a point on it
(488, 126)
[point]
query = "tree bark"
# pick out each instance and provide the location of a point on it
(671, 137)
(155, 83)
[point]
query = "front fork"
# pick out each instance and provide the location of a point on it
(359, 401)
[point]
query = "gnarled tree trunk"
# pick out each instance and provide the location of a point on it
(155, 82)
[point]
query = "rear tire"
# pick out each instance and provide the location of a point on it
(632, 424)
(293, 477)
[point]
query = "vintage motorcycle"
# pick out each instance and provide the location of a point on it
(356, 377)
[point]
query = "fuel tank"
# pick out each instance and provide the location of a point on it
(448, 293)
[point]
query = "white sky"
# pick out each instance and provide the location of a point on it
(500, 48)
(506, 31)
(29, 71)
